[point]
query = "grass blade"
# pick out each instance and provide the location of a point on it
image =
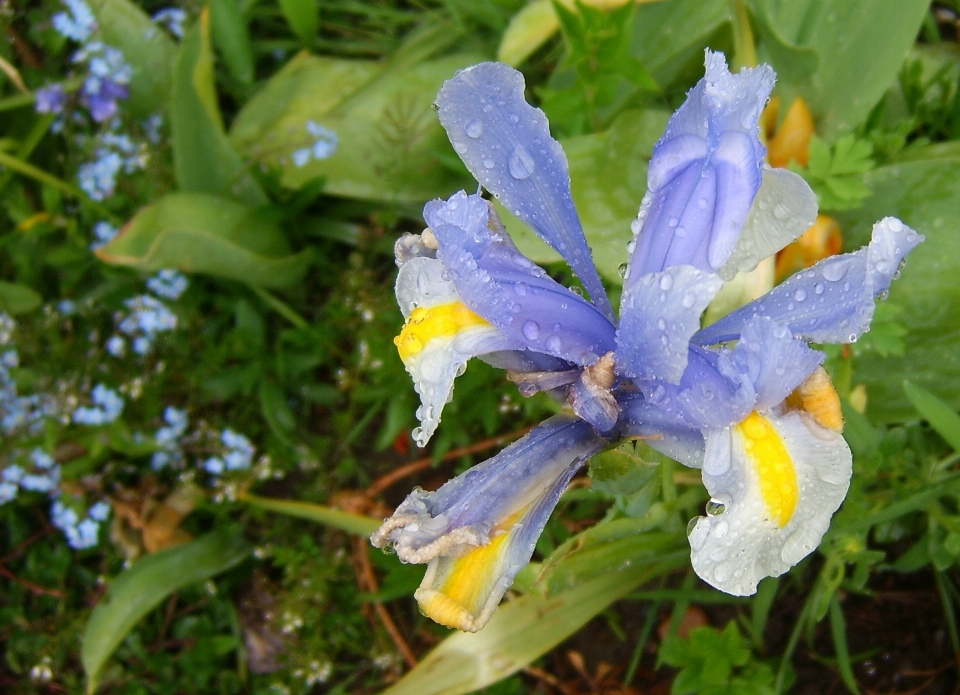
(941, 416)
(838, 628)
(345, 521)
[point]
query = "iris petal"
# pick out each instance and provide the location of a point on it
(777, 480)
(505, 287)
(832, 302)
(506, 145)
(478, 530)
(704, 173)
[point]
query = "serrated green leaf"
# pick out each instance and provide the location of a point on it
(18, 299)
(203, 158)
(941, 416)
(145, 47)
(207, 234)
(138, 590)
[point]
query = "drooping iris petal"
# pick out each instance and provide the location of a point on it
(506, 145)
(660, 314)
(775, 482)
(771, 359)
(832, 302)
(704, 173)
(439, 337)
(783, 209)
(511, 292)
(478, 530)
(665, 433)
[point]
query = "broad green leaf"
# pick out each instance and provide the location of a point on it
(207, 234)
(669, 37)
(18, 299)
(608, 173)
(620, 471)
(519, 632)
(941, 416)
(345, 521)
(529, 29)
(148, 50)
(141, 588)
(303, 16)
(925, 194)
(860, 45)
(381, 113)
(232, 38)
(203, 159)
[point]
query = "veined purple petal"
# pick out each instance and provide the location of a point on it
(661, 430)
(506, 288)
(659, 314)
(506, 145)
(832, 302)
(771, 359)
(501, 504)
(704, 173)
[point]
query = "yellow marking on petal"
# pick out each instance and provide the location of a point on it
(778, 476)
(820, 399)
(441, 321)
(460, 599)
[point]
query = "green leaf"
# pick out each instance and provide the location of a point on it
(206, 234)
(203, 158)
(941, 416)
(838, 629)
(521, 631)
(345, 521)
(18, 299)
(528, 30)
(303, 16)
(608, 173)
(146, 48)
(381, 113)
(620, 471)
(851, 74)
(925, 194)
(273, 405)
(141, 588)
(232, 38)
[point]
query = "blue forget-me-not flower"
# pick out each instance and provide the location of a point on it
(745, 399)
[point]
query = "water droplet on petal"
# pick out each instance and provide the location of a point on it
(666, 282)
(521, 163)
(622, 270)
(716, 507)
(474, 129)
(531, 330)
(488, 163)
(800, 294)
(834, 271)
(554, 344)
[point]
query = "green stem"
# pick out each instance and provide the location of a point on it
(745, 48)
(28, 145)
(40, 175)
(280, 307)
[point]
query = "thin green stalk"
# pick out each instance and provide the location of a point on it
(28, 145)
(948, 611)
(792, 644)
(641, 643)
(42, 176)
(280, 307)
(745, 48)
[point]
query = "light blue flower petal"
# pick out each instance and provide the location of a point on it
(771, 360)
(704, 173)
(506, 288)
(490, 518)
(659, 314)
(506, 145)
(832, 302)
(662, 431)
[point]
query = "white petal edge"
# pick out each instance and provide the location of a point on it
(734, 550)
(785, 207)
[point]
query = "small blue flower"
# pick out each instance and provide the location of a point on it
(116, 346)
(173, 18)
(8, 492)
(98, 178)
(78, 23)
(108, 404)
(12, 474)
(104, 233)
(109, 75)
(324, 147)
(51, 99)
(99, 512)
(168, 283)
(214, 465)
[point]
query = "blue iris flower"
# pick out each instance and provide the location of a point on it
(745, 399)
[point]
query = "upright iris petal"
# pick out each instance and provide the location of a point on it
(506, 145)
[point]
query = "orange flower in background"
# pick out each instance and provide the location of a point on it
(791, 142)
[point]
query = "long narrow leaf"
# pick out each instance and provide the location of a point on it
(141, 588)
(838, 628)
(941, 416)
(345, 521)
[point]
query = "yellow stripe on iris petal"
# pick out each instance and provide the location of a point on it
(774, 465)
(441, 321)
